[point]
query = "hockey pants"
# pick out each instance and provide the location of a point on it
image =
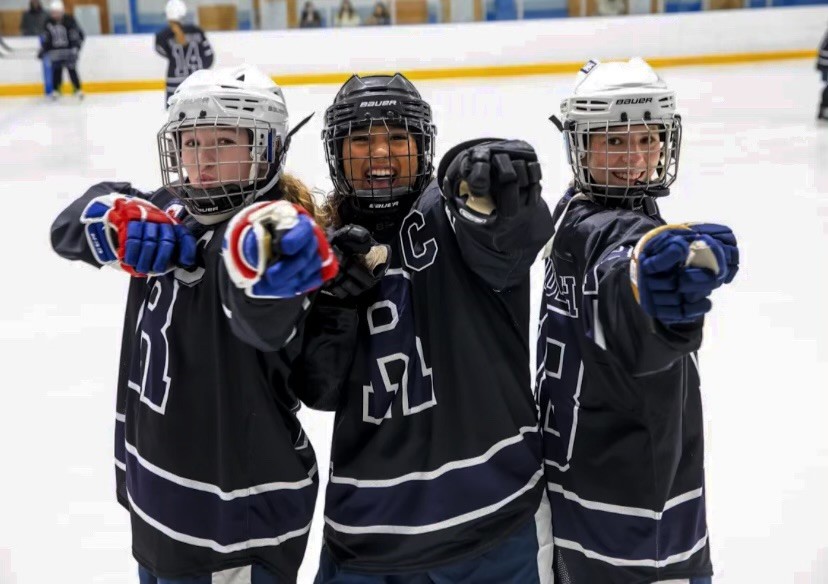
(57, 74)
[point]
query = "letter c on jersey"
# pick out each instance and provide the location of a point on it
(417, 254)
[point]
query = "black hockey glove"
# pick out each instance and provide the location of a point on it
(489, 179)
(362, 262)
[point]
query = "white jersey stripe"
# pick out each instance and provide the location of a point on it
(214, 545)
(420, 529)
(433, 474)
(674, 559)
(210, 488)
(622, 510)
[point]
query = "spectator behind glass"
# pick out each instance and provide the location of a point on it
(34, 20)
(310, 17)
(611, 7)
(380, 16)
(347, 16)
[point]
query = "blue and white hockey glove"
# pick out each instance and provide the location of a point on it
(489, 179)
(135, 236)
(674, 269)
(273, 249)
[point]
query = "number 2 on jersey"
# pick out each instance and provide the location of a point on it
(398, 363)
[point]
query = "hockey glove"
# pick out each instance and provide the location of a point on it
(134, 235)
(490, 179)
(362, 262)
(673, 271)
(724, 235)
(273, 249)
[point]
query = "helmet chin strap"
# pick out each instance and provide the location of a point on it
(630, 194)
(219, 217)
(385, 192)
(213, 219)
(383, 224)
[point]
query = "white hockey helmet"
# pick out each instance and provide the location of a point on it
(57, 6)
(176, 10)
(611, 98)
(238, 97)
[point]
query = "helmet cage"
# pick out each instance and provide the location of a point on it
(379, 105)
(654, 180)
(235, 184)
(390, 128)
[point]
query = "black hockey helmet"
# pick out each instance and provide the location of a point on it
(379, 104)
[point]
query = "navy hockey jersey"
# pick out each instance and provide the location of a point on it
(436, 452)
(183, 60)
(62, 38)
(620, 408)
(210, 458)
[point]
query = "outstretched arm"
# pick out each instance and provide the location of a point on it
(492, 189)
(115, 225)
(652, 298)
(274, 255)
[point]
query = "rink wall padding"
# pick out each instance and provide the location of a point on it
(114, 63)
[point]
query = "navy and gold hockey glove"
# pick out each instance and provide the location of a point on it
(490, 179)
(675, 268)
(724, 235)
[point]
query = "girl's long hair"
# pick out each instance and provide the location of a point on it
(178, 32)
(295, 191)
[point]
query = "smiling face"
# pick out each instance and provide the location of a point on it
(380, 158)
(624, 156)
(213, 156)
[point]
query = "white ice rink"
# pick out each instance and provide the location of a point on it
(753, 157)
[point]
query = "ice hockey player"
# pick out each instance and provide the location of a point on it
(61, 43)
(185, 46)
(211, 460)
(436, 470)
(822, 67)
(621, 320)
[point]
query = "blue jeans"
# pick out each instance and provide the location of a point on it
(254, 574)
(513, 561)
